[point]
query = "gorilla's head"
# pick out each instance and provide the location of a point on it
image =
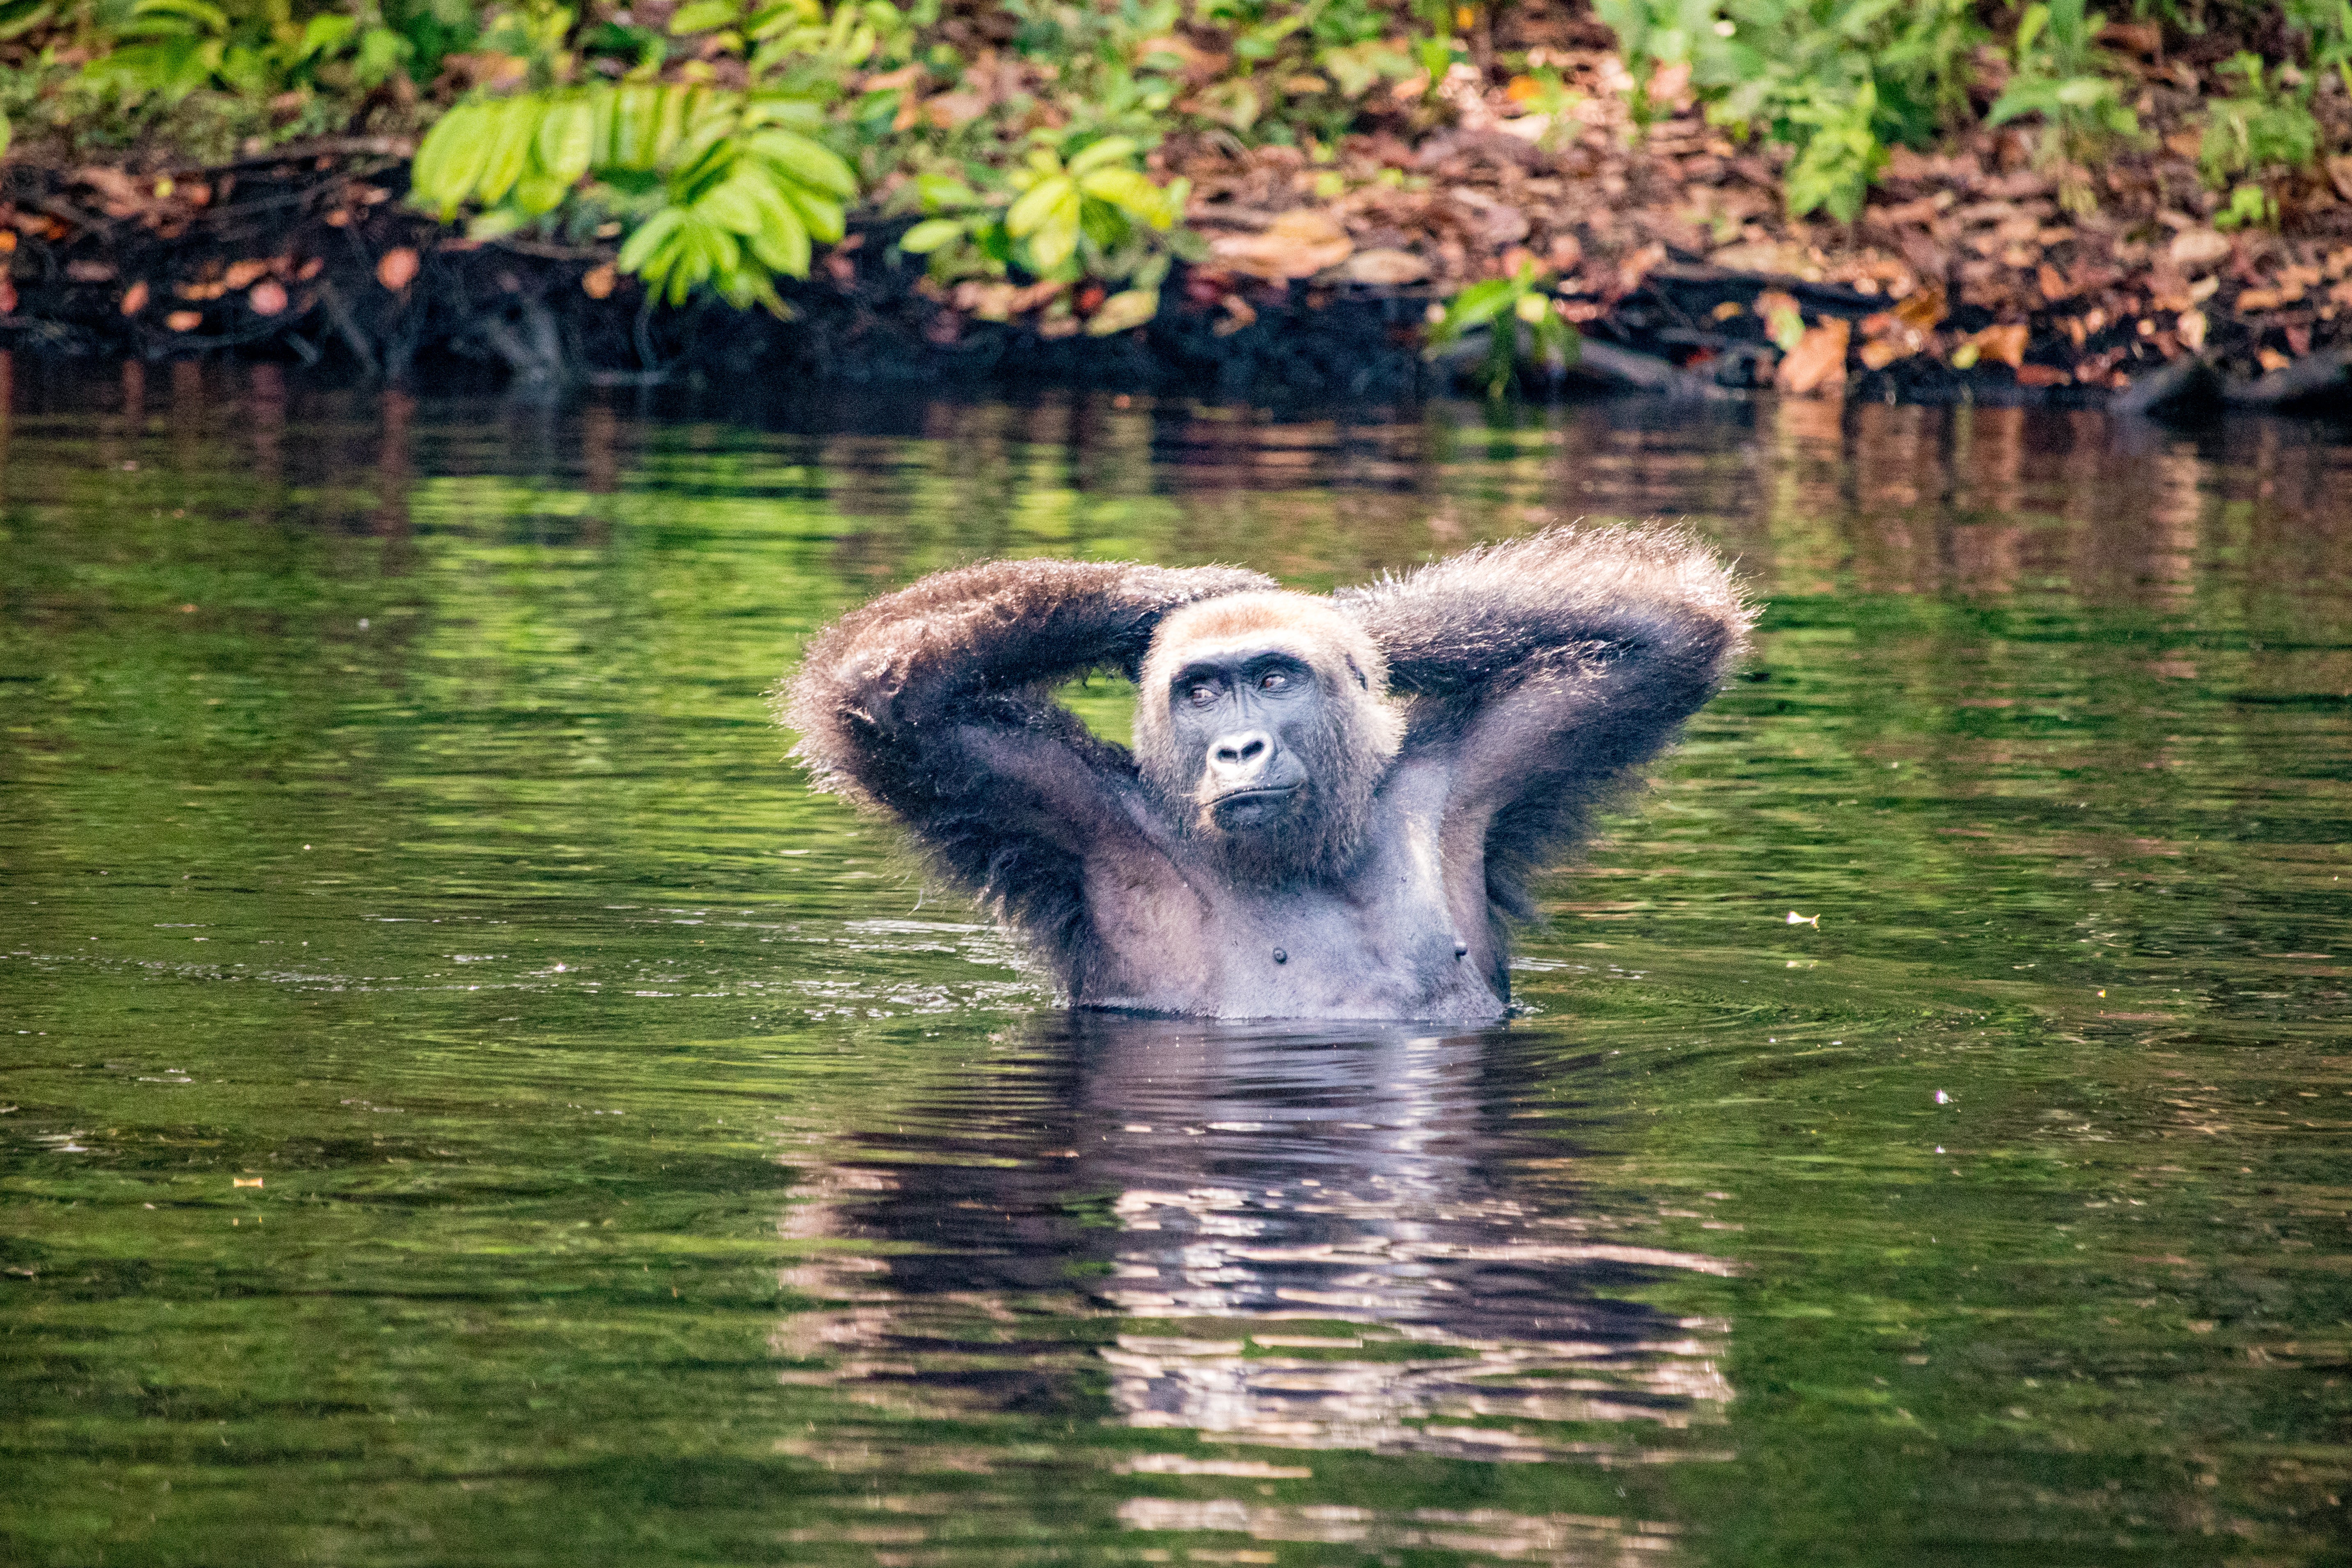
(1263, 721)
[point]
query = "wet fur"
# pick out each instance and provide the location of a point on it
(1558, 662)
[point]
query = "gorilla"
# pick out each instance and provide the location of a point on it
(1334, 805)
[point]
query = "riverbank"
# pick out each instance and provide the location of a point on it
(2000, 267)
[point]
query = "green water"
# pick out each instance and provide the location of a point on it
(463, 1101)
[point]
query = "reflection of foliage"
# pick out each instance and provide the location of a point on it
(1522, 322)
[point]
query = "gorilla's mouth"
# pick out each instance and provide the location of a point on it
(1244, 806)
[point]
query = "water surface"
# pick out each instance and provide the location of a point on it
(463, 1100)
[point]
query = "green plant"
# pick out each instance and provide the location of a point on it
(1839, 80)
(182, 45)
(725, 188)
(2062, 75)
(1067, 213)
(1521, 319)
(2326, 29)
(2259, 130)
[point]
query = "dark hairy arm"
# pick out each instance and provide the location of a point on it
(936, 703)
(1550, 667)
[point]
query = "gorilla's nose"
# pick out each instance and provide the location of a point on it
(1236, 759)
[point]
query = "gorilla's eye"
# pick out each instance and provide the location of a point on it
(1200, 694)
(1273, 681)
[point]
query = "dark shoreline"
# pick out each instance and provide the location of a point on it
(320, 227)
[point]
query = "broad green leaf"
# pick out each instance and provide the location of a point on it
(1055, 239)
(1109, 150)
(806, 161)
(1479, 303)
(702, 15)
(1127, 308)
(822, 215)
(676, 106)
(732, 207)
(636, 124)
(567, 138)
(930, 235)
(798, 113)
(650, 238)
(211, 16)
(539, 192)
(1038, 203)
(450, 159)
(1131, 192)
(942, 191)
(783, 245)
(513, 126)
(323, 31)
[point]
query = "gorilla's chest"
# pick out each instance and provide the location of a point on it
(1401, 937)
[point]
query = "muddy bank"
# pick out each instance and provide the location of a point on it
(314, 258)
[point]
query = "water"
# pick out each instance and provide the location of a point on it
(463, 1101)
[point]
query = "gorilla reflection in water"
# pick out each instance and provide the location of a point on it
(1335, 1239)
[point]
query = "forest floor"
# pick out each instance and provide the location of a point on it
(1983, 271)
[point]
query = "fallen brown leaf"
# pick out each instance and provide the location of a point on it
(598, 282)
(396, 268)
(134, 298)
(2190, 330)
(241, 273)
(1387, 266)
(2043, 376)
(2198, 248)
(267, 298)
(1921, 310)
(185, 321)
(2005, 343)
(1818, 362)
(1299, 244)
(1880, 352)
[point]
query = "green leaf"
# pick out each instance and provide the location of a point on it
(806, 161)
(636, 124)
(539, 192)
(1131, 192)
(512, 128)
(677, 104)
(1109, 150)
(702, 15)
(1479, 303)
(930, 235)
(566, 140)
(782, 244)
(649, 238)
(733, 205)
(450, 160)
(1055, 239)
(323, 32)
(826, 220)
(1038, 203)
(1123, 310)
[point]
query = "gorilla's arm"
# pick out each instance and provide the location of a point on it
(1550, 667)
(936, 703)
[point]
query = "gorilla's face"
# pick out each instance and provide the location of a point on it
(1251, 724)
